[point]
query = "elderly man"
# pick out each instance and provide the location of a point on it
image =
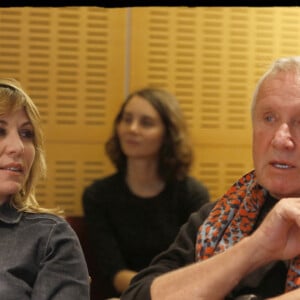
(246, 245)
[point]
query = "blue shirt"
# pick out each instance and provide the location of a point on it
(40, 258)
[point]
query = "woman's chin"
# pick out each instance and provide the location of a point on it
(10, 189)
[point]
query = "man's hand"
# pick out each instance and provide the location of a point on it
(279, 234)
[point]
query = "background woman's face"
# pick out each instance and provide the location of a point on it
(17, 152)
(141, 129)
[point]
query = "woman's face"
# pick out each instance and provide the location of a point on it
(17, 152)
(140, 130)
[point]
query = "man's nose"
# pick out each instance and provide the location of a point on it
(283, 137)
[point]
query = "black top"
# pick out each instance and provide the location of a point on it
(127, 231)
(265, 282)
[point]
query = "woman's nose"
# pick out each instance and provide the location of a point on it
(14, 144)
(283, 138)
(134, 126)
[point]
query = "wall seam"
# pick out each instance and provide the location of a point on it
(127, 52)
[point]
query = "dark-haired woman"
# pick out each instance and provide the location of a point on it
(135, 213)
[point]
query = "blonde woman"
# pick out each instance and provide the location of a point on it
(41, 257)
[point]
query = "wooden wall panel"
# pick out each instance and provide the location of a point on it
(219, 166)
(71, 61)
(71, 167)
(78, 63)
(211, 58)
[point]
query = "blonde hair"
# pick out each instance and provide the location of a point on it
(12, 97)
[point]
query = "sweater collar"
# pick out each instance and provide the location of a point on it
(9, 214)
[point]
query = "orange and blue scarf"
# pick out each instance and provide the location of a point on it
(233, 218)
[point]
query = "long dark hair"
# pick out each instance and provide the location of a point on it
(176, 152)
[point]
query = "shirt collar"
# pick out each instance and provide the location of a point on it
(9, 214)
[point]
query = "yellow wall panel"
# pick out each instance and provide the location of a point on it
(211, 58)
(71, 167)
(71, 61)
(219, 166)
(78, 64)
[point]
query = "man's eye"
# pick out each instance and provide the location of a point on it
(27, 134)
(269, 118)
(2, 131)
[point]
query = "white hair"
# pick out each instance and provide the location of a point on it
(284, 64)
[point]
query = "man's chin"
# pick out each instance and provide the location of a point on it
(283, 192)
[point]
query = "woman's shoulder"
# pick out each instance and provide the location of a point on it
(194, 181)
(45, 224)
(191, 183)
(103, 190)
(45, 218)
(109, 182)
(49, 231)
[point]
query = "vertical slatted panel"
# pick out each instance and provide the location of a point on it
(10, 45)
(211, 80)
(69, 171)
(72, 62)
(211, 58)
(37, 60)
(185, 56)
(288, 30)
(65, 59)
(221, 165)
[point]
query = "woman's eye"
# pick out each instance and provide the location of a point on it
(147, 122)
(27, 134)
(126, 119)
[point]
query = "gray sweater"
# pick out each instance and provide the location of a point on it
(40, 258)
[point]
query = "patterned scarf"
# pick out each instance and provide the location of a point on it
(233, 218)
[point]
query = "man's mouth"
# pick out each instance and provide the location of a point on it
(282, 166)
